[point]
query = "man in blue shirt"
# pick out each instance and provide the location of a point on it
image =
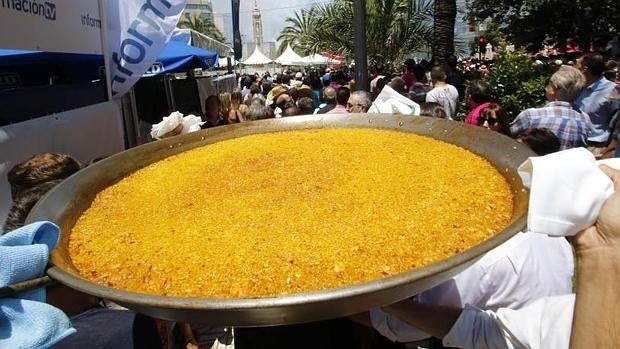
(596, 100)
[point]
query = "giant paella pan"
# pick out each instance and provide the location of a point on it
(69, 201)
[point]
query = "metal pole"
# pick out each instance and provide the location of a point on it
(236, 33)
(105, 46)
(359, 34)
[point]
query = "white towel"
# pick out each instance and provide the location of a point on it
(567, 191)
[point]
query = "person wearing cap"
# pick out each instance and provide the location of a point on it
(280, 104)
(297, 81)
(273, 94)
(303, 91)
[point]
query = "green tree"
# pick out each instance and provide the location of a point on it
(394, 28)
(202, 25)
(531, 23)
(295, 26)
(516, 83)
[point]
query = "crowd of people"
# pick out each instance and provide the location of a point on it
(582, 97)
(476, 308)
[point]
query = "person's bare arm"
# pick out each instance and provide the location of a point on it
(597, 305)
(435, 320)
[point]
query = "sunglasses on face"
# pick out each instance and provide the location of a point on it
(490, 121)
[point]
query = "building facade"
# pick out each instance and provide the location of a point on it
(201, 8)
(223, 22)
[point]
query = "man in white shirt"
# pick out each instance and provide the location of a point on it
(442, 92)
(525, 268)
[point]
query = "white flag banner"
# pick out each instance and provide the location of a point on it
(137, 32)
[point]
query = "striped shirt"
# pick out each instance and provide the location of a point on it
(571, 127)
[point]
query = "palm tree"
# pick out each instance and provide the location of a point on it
(202, 25)
(443, 30)
(296, 26)
(394, 29)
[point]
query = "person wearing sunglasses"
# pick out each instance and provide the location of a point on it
(494, 118)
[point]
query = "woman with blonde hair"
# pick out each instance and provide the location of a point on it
(237, 110)
(225, 103)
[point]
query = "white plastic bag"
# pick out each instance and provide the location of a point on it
(391, 102)
(167, 125)
(175, 124)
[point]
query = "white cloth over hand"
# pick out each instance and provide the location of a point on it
(567, 191)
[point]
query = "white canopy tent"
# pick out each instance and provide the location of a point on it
(289, 57)
(257, 58)
(319, 59)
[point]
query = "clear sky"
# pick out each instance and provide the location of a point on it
(273, 12)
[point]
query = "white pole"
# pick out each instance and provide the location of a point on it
(105, 47)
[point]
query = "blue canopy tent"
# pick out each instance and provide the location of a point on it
(179, 57)
(158, 93)
(38, 66)
(34, 83)
(63, 81)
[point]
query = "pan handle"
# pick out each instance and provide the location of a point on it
(23, 286)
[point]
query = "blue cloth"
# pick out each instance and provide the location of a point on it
(25, 321)
(594, 101)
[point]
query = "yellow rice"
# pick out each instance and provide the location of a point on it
(289, 212)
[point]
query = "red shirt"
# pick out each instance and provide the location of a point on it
(474, 114)
(409, 80)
